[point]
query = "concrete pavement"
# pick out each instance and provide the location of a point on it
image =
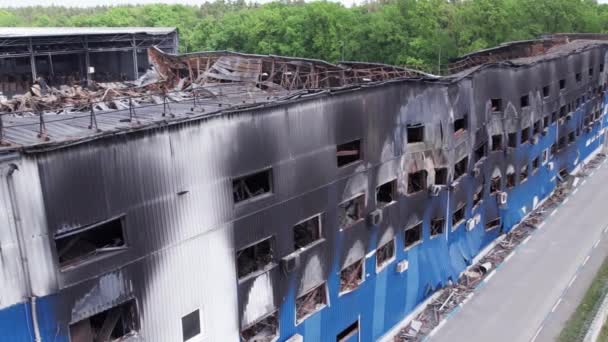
(533, 293)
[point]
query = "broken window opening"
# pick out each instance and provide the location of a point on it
(578, 77)
(562, 84)
(511, 180)
(415, 133)
(524, 101)
(460, 168)
(413, 235)
(254, 258)
(535, 164)
(460, 125)
(307, 232)
(265, 329)
(478, 196)
(347, 334)
(351, 211)
(480, 152)
(109, 325)
(386, 193)
(525, 135)
(90, 242)
(252, 186)
(496, 105)
(497, 142)
(495, 185)
(348, 153)
(416, 181)
(437, 226)
(571, 137)
(537, 127)
(546, 91)
(385, 254)
(495, 223)
(351, 277)
(441, 176)
(310, 303)
(458, 216)
(512, 140)
(523, 175)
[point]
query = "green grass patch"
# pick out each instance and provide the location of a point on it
(577, 325)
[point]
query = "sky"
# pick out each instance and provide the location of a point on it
(85, 3)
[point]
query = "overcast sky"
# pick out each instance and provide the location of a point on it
(84, 3)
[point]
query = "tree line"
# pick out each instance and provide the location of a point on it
(423, 34)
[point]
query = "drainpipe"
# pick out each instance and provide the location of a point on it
(24, 262)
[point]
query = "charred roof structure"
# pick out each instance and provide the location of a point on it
(226, 196)
(76, 56)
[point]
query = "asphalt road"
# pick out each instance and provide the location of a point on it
(532, 294)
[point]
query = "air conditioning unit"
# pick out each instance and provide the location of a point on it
(535, 140)
(374, 218)
(569, 117)
(295, 338)
(470, 224)
(434, 190)
(402, 266)
(550, 166)
(290, 262)
(502, 198)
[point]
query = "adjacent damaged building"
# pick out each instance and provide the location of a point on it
(238, 197)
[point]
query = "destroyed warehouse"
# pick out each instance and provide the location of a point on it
(238, 197)
(76, 55)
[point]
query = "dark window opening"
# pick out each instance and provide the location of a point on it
(415, 133)
(458, 216)
(460, 168)
(546, 90)
(307, 232)
(311, 302)
(441, 176)
(385, 254)
(601, 67)
(535, 164)
(386, 193)
(546, 121)
(590, 71)
(496, 105)
(351, 211)
(437, 226)
(348, 153)
(578, 132)
(413, 235)
(252, 186)
(460, 124)
(416, 181)
(525, 135)
(109, 325)
(480, 152)
(497, 142)
(265, 329)
(511, 180)
(571, 137)
(347, 334)
(254, 258)
(553, 117)
(351, 277)
(562, 84)
(563, 173)
(495, 185)
(524, 101)
(478, 196)
(512, 140)
(553, 148)
(191, 325)
(523, 175)
(90, 242)
(495, 223)
(578, 77)
(561, 143)
(537, 127)
(562, 111)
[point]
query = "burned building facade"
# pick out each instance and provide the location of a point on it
(281, 198)
(76, 56)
